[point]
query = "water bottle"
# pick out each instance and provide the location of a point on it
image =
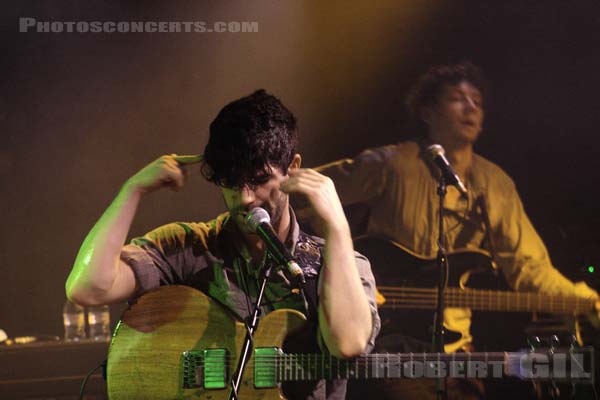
(74, 321)
(98, 318)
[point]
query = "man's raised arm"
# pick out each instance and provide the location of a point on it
(99, 276)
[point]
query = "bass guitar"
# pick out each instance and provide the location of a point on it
(407, 283)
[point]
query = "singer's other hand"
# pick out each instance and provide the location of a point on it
(326, 212)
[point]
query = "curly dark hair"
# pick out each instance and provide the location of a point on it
(425, 92)
(247, 137)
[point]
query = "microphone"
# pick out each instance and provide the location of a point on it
(438, 155)
(259, 222)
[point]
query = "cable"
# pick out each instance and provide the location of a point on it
(84, 382)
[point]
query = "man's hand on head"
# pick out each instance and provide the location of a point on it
(166, 171)
(326, 210)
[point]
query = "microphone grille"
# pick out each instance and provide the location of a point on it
(257, 216)
(435, 150)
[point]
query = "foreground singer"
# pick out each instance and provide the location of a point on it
(251, 155)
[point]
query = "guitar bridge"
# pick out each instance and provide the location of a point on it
(205, 369)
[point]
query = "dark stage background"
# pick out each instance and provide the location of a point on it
(80, 113)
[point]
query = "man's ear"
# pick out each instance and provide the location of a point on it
(296, 161)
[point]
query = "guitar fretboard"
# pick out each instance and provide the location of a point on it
(486, 300)
(302, 367)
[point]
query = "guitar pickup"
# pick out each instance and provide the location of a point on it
(206, 369)
(266, 367)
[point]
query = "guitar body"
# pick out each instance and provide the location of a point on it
(394, 265)
(144, 360)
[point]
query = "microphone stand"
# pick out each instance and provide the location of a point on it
(442, 264)
(249, 339)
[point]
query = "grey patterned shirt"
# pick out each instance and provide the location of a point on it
(213, 258)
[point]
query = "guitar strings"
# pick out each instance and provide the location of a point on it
(484, 295)
(401, 297)
(469, 295)
(310, 358)
(310, 366)
(294, 367)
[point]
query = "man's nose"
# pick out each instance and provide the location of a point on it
(247, 196)
(470, 103)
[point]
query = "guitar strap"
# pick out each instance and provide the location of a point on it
(309, 257)
(482, 204)
(479, 185)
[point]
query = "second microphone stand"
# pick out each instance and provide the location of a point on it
(442, 264)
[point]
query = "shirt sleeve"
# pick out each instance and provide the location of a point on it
(358, 183)
(368, 282)
(358, 180)
(523, 257)
(164, 256)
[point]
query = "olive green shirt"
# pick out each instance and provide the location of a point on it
(398, 187)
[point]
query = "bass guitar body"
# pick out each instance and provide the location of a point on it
(394, 265)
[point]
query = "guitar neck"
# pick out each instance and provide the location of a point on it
(302, 367)
(386, 257)
(486, 300)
